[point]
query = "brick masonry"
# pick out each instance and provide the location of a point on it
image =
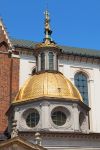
(9, 80)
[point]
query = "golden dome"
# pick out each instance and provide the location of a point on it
(47, 85)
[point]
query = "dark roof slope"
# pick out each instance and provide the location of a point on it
(23, 43)
(65, 49)
(81, 51)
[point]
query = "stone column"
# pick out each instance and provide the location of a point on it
(46, 61)
(76, 117)
(55, 61)
(91, 98)
(45, 115)
(39, 63)
(16, 116)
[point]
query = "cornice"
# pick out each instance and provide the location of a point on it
(69, 135)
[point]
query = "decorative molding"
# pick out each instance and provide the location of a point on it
(81, 68)
(65, 134)
(5, 33)
(77, 58)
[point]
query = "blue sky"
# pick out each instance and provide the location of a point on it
(74, 22)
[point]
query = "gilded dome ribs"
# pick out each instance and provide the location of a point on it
(58, 87)
(48, 84)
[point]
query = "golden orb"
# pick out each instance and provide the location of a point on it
(48, 84)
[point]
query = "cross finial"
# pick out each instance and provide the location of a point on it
(48, 31)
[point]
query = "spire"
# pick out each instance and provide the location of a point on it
(48, 31)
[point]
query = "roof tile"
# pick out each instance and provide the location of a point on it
(65, 49)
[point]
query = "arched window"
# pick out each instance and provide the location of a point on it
(42, 61)
(82, 85)
(51, 62)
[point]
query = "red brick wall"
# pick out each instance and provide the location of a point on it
(9, 79)
(9, 84)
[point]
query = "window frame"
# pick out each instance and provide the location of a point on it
(42, 61)
(82, 79)
(59, 118)
(50, 63)
(68, 114)
(29, 112)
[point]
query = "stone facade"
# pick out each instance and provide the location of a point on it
(16, 65)
(45, 109)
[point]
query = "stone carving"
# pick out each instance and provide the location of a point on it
(37, 138)
(14, 132)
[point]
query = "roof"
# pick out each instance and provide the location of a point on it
(65, 49)
(22, 142)
(23, 43)
(48, 84)
(81, 51)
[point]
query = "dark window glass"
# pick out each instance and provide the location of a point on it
(51, 63)
(32, 119)
(82, 85)
(59, 118)
(42, 61)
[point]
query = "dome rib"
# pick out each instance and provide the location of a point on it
(57, 84)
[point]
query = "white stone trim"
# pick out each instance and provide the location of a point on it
(3, 28)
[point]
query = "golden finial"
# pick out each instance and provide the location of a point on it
(47, 27)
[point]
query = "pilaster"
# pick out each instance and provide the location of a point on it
(45, 115)
(76, 117)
